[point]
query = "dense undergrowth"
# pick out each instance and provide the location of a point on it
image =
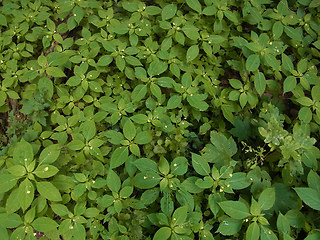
(186, 119)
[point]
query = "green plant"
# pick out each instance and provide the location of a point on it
(129, 119)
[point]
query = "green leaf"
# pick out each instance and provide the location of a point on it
(267, 198)
(105, 201)
(260, 83)
(55, 72)
(180, 215)
(305, 114)
(3, 97)
(305, 101)
(168, 11)
(129, 130)
(3, 20)
(3, 231)
(192, 53)
(153, 10)
(253, 231)
(139, 93)
(238, 181)
(195, 5)
(163, 233)
(272, 61)
(146, 180)
(235, 83)
(283, 224)
(231, 16)
(75, 145)
(10, 220)
(179, 166)
(88, 129)
(289, 84)
(130, 6)
(44, 224)
(309, 196)
(174, 102)
(317, 44)
(191, 31)
(120, 63)
(287, 63)
(60, 209)
(91, 212)
(235, 209)
(119, 156)
(157, 67)
(46, 171)
(26, 194)
(243, 99)
(197, 101)
(200, 165)
(23, 153)
(314, 4)
(267, 234)
(48, 191)
(156, 91)
(294, 33)
(50, 154)
(139, 118)
(217, 39)
(143, 137)
(253, 62)
(17, 170)
(105, 60)
(229, 226)
(277, 30)
(113, 181)
(313, 236)
(145, 165)
(7, 182)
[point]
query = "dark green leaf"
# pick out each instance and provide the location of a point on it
(44, 224)
(200, 165)
(168, 11)
(48, 191)
(260, 83)
(235, 209)
(119, 156)
(192, 53)
(195, 5)
(309, 196)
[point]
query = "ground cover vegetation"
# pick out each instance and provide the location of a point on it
(185, 119)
